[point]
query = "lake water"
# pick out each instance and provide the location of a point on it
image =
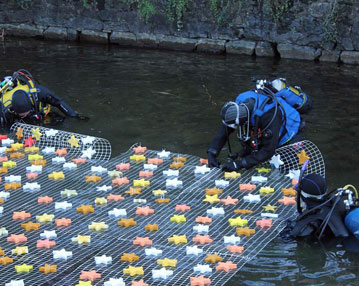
(172, 100)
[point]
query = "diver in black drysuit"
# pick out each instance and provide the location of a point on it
(267, 143)
(319, 214)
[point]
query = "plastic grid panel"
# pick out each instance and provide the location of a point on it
(60, 140)
(116, 240)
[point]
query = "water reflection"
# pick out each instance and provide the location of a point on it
(172, 100)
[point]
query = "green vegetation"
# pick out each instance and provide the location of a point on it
(89, 4)
(145, 8)
(277, 8)
(223, 10)
(175, 11)
(330, 23)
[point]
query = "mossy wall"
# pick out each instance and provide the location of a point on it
(325, 30)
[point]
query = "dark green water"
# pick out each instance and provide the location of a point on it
(172, 100)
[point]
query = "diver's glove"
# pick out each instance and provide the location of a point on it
(212, 158)
(234, 165)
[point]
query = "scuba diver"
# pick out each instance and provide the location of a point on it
(322, 213)
(264, 118)
(22, 98)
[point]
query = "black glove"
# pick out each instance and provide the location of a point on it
(212, 159)
(234, 165)
(230, 166)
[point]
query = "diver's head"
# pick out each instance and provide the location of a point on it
(237, 116)
(233, 114)
(21, 103)
(313, 188)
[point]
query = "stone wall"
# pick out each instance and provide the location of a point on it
(324, 30)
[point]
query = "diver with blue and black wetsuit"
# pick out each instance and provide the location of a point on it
(264, 119)
(24, 99)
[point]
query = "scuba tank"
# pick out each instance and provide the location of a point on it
(24, 81)
(351, 220)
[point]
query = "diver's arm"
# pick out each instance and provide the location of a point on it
(220, 139)
(47, 96)
(269, 141)
(6, 117)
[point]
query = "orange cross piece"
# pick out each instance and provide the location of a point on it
(213, 258)
(6, 260)
(61, 152)
(227, 266)
(229, 201)
(180, 159)
(302, 156)
(38, 162)
(213, 191)
(32, 176)
(93, 178)
(204, 219)
(129, 257)
(1, 200)
(243, 211)
(203, 161)
(247, 187)
(17, 155)
(133, 191)
(264, 222)
(162, 201)
(9, 150)
(85, 209)
(79, 160)
(17, 238)
(12, 186)
(202, 239)
(3, 170)
(139, 150)
(200, 281)
(154, 161)
(19, 133)
(63, 221)
(90, 275)
(127, 222)
(235, 248)
(176, 165)
(44, 200)
(47, 268)
(121, 181)
(146, 174)
(139, 283)
(30, 226)
(287, 201)
(2, 252)
(46, 243)
(21, 215)
(123, 167)
(245, 231)
(145, 211)
(116, 198)
(289, 192)
(151, 227)
(182, 208)
(142, 241)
